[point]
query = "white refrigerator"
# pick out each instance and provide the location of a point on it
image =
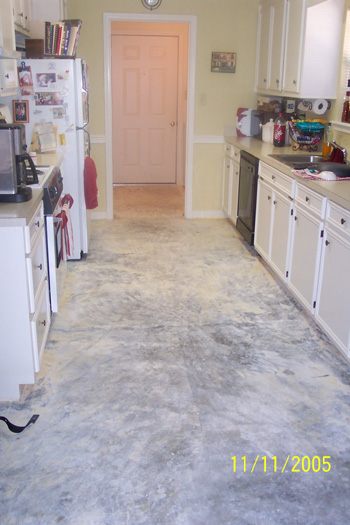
(56, 91)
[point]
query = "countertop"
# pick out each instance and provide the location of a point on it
(336, 191)
(19, 214)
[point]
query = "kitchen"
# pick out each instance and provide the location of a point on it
(208, 143)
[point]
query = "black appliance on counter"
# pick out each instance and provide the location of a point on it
(248, 183)
(13, 170)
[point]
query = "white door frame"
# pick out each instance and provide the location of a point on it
(191, 20)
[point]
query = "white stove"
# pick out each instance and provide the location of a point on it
(49, 178)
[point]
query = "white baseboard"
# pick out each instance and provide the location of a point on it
(98, 215)
(208, 214)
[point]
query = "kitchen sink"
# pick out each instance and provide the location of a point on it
(291, 159)
(315, 162)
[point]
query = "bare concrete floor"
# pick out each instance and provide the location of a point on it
(174, 351)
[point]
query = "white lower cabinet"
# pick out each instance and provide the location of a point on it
(24, 301)
(333, 298)
(274, 218)
(227, 186)
(306, 244)
(230, 182)
(306, 241)
(234, 192)
(263, 219)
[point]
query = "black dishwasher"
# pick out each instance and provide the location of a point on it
(248, 182)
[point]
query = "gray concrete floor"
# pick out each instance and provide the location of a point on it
(174, 351)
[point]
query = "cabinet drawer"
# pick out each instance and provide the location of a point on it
(40, 325)
(338, 218)
(34, 228)
(232, 151)
(277, 179)
(36, 269)
(312, 201)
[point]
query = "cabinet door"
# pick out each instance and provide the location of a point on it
(227, 186)
(7, 39)
(294, 44)
(333, 301)
(8, 77)
(305, 257)
(264, 47)
(234, 192)
(280, 233)
(263, 220)
(278, 10)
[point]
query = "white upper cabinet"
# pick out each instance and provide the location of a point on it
(22, 15)
(303, 47)
(278, 14)
(263, 49)
(7, 31)
(51, 11)
(294, 38)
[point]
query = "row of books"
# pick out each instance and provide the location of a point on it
(60, 39)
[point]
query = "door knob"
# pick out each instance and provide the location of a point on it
(172, 123)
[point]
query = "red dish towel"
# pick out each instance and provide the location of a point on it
(90, 186)
(336, 156)
(67, 242)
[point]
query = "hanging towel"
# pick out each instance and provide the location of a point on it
(90, 186)
(66, 227)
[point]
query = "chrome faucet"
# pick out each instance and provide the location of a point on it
(343, 150)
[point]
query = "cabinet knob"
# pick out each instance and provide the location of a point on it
(268, 197)
(273, 177)
(265, 80)
(7, 76)
(43, 322)
(295, 218)
(40, 266)
(37, 223)
(307, 199)
(275, 202)
(172, 123)
(294, 82)
(342, 221)
(327, 243)
(277, 81)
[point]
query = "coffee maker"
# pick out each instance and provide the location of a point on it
(13, 169)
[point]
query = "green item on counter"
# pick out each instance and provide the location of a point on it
(309, 126)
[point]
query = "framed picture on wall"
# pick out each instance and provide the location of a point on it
(222, 62)
(20, 111)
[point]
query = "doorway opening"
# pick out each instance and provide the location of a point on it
(185, 29)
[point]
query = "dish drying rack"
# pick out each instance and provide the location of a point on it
(305, 135)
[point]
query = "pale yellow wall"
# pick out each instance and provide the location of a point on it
(207, 178)
(223, 25)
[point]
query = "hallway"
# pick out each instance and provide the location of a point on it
(173, 351)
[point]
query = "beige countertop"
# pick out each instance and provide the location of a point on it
(336, 191)
(19, 214)
(49, 159)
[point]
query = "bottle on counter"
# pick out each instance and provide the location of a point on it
(327, 148)
(345, 116)
(279, 131)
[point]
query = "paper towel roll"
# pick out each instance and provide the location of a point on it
(320, 106)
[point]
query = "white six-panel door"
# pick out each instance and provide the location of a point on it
(144, 94)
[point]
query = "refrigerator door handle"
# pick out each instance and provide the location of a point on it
(81, 128)
(87, 121)
(89, 141)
